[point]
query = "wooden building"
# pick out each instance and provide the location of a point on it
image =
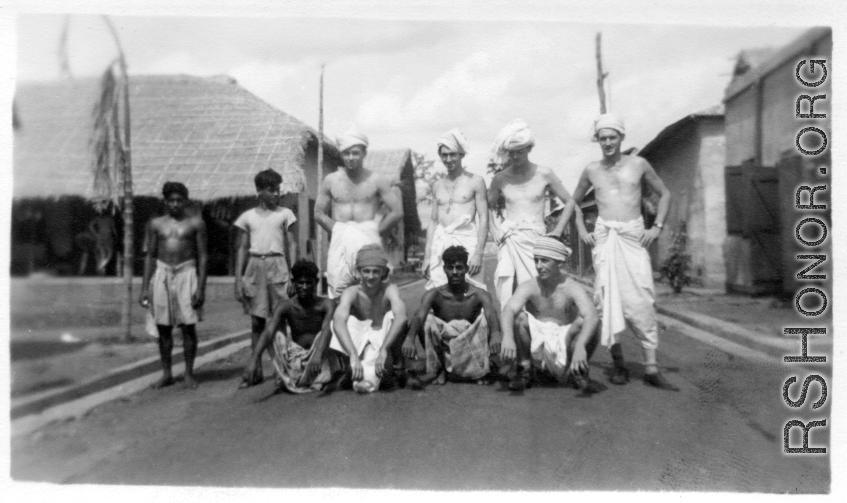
(689, 156)
(763, 166)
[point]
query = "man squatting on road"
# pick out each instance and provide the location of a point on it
(523, 185)
(368, 322)
(178, 242)
(460, 198)
(462, 329)
(623, 286)
(300, 331)
(263, 235)
(551, 337)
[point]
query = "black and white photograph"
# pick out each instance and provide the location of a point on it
(457, 247)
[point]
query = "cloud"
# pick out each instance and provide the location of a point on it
(461, 92)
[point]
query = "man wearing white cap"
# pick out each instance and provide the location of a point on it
(356, 195)
(555, 322)
(623, 287)
(523, 185)
(459, 199)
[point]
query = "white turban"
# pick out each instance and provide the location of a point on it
(609, 121)
(515, 136)
(454, 140)
(350, 139)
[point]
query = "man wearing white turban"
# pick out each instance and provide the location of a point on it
(523, 185)
(459, 199)
(623, 287)
(356, 195)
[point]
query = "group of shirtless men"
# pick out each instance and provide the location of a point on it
(550, 324)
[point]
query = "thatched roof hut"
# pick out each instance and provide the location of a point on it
(209, 133)
(396, 164)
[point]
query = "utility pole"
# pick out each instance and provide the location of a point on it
(601, 77)
(319, 230)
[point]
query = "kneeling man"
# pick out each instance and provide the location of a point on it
(462, 329)
(300, 331)
(369, 319)
(550, 336)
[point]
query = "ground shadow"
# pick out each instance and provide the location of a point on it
(32, 350)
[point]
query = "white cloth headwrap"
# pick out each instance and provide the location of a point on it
(609, 121)
(515, 136)
(350, 139)
(454, 140)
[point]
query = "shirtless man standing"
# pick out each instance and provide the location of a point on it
(356, 194)
(623, 287)
(523, 184)
(552, 336)
(178, 242)
(459, 198)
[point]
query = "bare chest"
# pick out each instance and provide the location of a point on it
(175, 230)
(367, 309)
(459, 191)
(529, 192)
(343, 191)
(624, 178)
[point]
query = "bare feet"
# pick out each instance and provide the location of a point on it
(441, 378)
(190, 382)
(163, 382)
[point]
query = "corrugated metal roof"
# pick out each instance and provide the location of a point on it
(776, 59)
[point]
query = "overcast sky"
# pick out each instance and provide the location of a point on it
(404, 82)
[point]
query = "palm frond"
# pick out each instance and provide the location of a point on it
(106, 145)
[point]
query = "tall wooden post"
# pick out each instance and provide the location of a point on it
(600, 77)
(319, 231)
(126, 160)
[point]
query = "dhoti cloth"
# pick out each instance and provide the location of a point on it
(515, 262)
(463, 232)
(347, 239)
(367, 341)
(291, 360)
(173, 287)
(549, 347)
(461, 345)
(623, 285)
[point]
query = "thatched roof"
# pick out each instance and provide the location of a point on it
(397, 166)
(208, 133)
(396, 163)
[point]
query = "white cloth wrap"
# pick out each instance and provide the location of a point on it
(347, 239)
(623, 285)
(514, 257)
(462, 232)
(367, 341)
(549, 346)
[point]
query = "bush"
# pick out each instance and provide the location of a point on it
(678, 264)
